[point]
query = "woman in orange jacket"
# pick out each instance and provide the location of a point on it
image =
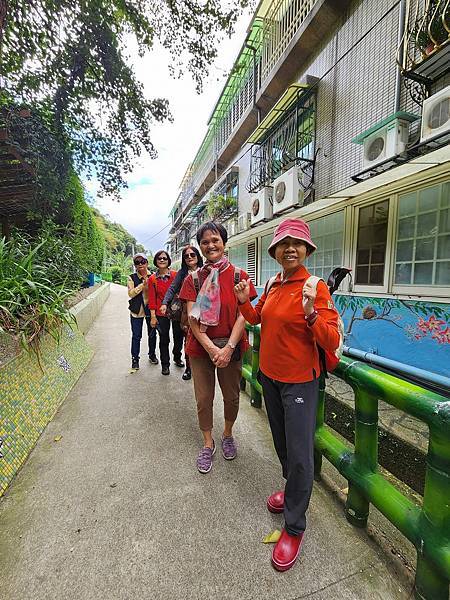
(295, 317)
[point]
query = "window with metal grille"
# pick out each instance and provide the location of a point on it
(229, 187)
(288, 143)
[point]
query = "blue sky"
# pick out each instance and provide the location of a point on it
(153, 185)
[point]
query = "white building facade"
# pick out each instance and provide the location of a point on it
(338, 113)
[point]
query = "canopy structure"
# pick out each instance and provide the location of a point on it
(286, 102)
(402, 115)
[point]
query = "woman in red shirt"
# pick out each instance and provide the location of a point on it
(158, 284)
(295, 317)
(216, 339)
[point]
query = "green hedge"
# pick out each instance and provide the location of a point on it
(87, 242)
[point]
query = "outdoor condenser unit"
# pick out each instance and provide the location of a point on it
(387, 142)
(243, 222)
(287, 191)
(262, 205)
(436, 115)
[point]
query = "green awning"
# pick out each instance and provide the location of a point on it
(198, 208)
(287, 101)
(405, 116)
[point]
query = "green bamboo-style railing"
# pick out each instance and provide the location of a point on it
(426, 526)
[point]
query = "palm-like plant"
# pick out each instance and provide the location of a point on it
(31, 301)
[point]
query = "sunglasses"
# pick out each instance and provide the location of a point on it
(162, 258)
(190, 255)
(140, 262)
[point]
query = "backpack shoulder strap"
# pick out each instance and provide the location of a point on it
(135, 278)
(313, 280)
(237, 275)
(269, 284)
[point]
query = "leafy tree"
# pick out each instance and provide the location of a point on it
(68, 58)
(117, 238)
(48, 160)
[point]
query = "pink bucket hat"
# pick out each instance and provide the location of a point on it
(295, 228)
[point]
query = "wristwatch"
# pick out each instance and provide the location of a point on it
(232, 346)
(312, 317)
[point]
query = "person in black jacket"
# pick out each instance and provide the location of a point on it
(138, 306)
(191, 260)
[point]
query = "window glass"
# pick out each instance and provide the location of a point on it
(423, 237)
(371, 247)
(238, 256)
(408, 205)
(328, 235)
(269, 266)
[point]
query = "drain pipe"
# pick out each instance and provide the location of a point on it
(418, 375)
(400, 41)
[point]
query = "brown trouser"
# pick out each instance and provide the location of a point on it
(203, 372)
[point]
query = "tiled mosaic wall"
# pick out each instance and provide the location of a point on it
(30, 396)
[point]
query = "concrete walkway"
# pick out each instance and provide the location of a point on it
(117, 510)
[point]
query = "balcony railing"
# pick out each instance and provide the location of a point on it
(424, 53)
(281, 23)
(271, 33)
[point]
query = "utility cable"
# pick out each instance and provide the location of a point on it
(147, 239)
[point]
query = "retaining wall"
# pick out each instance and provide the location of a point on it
(86, 311)
(32, 389)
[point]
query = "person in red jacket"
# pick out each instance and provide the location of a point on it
(158, 284)
(216, 339)
(295, 317)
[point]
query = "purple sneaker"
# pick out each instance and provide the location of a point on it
(204, 458)
(229, 449)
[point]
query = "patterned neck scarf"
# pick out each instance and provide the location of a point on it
(162, 277)
(207, 308)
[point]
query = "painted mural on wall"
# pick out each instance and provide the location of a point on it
(409, 331)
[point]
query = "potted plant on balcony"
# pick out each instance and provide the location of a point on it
(430, 32)
(219, 204)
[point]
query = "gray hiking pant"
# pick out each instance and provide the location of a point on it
(291, 409)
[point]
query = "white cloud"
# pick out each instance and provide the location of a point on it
(145, 206)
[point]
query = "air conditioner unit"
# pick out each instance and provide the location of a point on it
(262, 205)
(232, 227)
(436, 115)
(243, 222)
(287, 191)
(386, 142)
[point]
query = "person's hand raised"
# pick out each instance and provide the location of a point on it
(309, 296)
(242, 291)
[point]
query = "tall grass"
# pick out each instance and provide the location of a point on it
(32, 291)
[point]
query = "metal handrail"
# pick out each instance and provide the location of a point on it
(426, 526)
